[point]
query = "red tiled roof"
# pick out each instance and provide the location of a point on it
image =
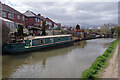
(49, 20)
(79, 30)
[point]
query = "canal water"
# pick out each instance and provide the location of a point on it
(65, 62)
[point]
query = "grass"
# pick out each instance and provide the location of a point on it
(101, 62)
(107, 62)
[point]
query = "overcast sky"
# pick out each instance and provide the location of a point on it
(71, 12)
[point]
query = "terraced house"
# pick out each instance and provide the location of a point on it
(12, 17)
(29, 20)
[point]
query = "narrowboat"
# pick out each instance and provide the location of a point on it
(38, 42)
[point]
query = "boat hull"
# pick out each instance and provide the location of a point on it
(20, 50)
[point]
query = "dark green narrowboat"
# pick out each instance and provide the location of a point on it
(38, 42)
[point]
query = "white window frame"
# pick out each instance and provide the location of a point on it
(23, 18)
(11, 16)
(18, 17)
(4, 14)
(35, 19)
(38, 20)
(12, 26)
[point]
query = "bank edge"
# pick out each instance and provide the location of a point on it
(100, 62)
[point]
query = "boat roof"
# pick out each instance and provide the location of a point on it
(38, 37)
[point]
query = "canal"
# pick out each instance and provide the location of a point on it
(65, 62)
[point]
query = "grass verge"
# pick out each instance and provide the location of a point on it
(100, 62)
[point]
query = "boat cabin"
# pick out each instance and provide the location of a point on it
(47, 40)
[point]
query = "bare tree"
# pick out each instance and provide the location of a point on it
(105, 29)
(5, 32)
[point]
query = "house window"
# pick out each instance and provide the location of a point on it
(23, 18)
(18, 17)
(12, 26)
(3, 14)
(11, 16)
(36, 19)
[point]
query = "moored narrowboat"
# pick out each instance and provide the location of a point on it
(38, 42)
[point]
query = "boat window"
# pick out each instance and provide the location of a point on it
(36, 41)
(59, 39)
(42, 41)
(69, 38)
(51, 40)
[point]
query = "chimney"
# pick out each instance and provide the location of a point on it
(39, 15)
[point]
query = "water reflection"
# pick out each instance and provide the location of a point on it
(11, 63)
(65, 62)
(106, 45)
(44, 63)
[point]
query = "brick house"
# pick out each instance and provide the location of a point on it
(49, 23)
(33, 23)
(29, 20)
(32, 19)
(12, 17)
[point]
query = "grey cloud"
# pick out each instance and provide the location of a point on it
(72, 13)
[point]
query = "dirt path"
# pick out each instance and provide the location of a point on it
(119, 62)
(112, 70)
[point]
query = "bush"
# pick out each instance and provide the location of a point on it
(99, 62)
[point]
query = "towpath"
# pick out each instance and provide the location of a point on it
(112, 69)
